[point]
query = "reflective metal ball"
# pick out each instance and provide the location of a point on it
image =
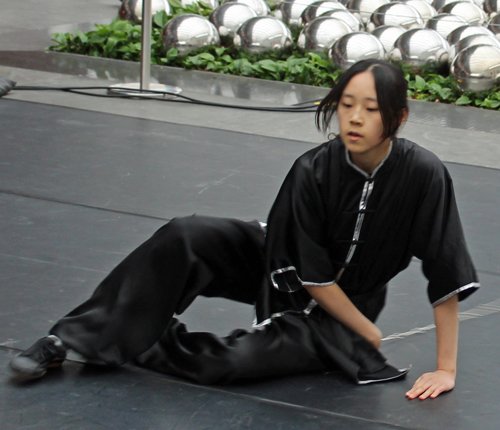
(420, 47)
(188, 32)
(321, 33)
(131, 10)
(468, 11)
(424, 8)
(363, 9)
(262, 34)
(438, 4)
(228, 17)
(289, 11)
(477, 68)
(317, 9)
(475, 39)
(491, 6)
(259, 6)
(494, 26)
(388, 34)
(395, 14)
(466, 30)
(212, 4)
(445, 23)
(354, 47)
(344, 15)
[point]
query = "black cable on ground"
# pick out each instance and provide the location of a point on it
(308, 107)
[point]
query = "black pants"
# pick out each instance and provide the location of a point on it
(130, 315)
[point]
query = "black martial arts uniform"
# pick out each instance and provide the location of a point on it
(331, 222)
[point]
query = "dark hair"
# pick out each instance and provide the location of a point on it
(391, 87)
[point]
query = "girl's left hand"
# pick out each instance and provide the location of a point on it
(432, 385)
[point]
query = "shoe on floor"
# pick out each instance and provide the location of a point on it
(34, 362)
(387, 373)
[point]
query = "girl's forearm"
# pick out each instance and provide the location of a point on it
(334, 301)
(446, 318)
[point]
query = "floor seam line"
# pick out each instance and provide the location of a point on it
(66, 202)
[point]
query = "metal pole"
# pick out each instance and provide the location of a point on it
(146, 45)
(144, 86)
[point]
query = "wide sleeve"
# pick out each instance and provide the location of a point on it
(296, 242)
(438, 240)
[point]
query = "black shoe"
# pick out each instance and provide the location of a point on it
(387, 373)
(34, 362)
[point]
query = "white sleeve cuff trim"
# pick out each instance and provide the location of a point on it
(453, 293)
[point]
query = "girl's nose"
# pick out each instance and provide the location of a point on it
(356, 117)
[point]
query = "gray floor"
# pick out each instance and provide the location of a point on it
(84, 180)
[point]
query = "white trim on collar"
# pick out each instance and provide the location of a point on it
(365, 174)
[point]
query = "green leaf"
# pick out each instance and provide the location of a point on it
(435, 87)
(419, 83)
(160, 18)
(220, 51)
(463, 100)
(97, 38)
(81, 36)
(445, 93)
(269, 65)
(490, 104)
(110, 46)
(175, 4)
(172, 53)
(206, 56)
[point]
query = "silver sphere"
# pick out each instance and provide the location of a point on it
(475, 39)
(468, 11)
(395, 14)
(420, 47)
(388, 34)
(438, 4)
(423, 7)
(259, 6)
(477, 68)
(445, 23)
(344, 15)
(321, 33)
(494, 26)
(363, 9)
(131, 10)
(289, 11)
(491, 7)
(354, 47)
(228, 17)
(467, 30)
(317, 9)
(262, 34)
(188, 32)
(212, 4)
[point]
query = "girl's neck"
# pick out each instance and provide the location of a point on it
(368, 161)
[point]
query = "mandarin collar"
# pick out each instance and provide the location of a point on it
(383, 166)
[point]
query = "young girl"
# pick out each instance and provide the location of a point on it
(350, 216)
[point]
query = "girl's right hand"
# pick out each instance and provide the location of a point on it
(374, 336)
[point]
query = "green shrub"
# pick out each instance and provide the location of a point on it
(122, 40)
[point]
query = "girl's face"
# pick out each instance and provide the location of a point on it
(361, 124)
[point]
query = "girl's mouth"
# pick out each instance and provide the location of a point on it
(353, 136)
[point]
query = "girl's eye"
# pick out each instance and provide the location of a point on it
(372, 109)
(346, 105)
